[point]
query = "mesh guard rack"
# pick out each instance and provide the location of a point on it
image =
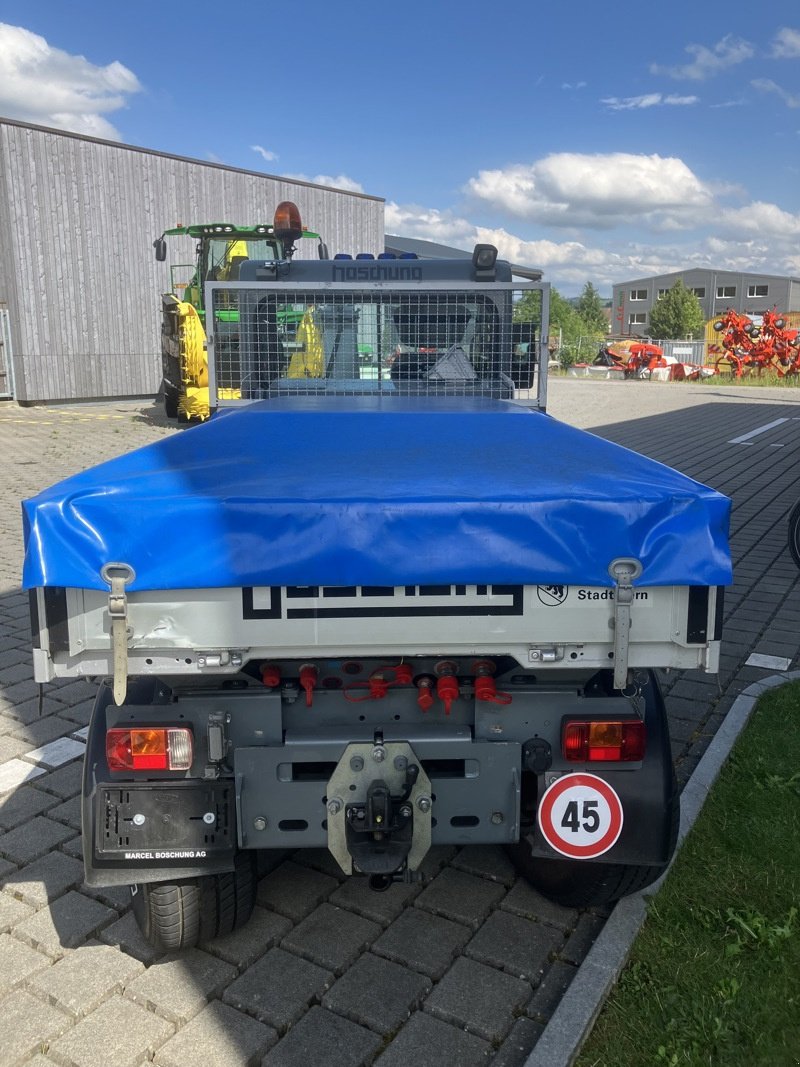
(430, 338)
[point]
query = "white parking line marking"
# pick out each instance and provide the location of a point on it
(13, 773)
(754, 433)
(770, 663)
(62, 750)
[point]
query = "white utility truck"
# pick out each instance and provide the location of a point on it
(374, 604)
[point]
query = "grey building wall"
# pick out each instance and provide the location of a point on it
(781, 292)
(77, 271)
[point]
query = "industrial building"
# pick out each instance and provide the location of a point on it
(80, 308)
(717, 290)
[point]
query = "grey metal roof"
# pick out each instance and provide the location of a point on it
(433, 250)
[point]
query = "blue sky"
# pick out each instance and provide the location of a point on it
(601, 142)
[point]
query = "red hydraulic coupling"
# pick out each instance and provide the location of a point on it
(486, 689)
(271, 675)
(485, 685)
(425, 696)
(378, 686)
(380, 682)
(403, 674)
(308, 681)
(447, 690)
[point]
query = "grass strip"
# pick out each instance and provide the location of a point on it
(714, 976)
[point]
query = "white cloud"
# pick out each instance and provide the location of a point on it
(429, 224)
(574, 85)
(759, 237)
(264, 153)
(632, 103)
(340, 181)
(706, 62)
(762, 219)
(786, 44)
(570, 189)
(766, 85)
(50, 87)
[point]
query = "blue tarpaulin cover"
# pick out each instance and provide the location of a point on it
(364, 491)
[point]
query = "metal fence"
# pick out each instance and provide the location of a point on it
(402, 340)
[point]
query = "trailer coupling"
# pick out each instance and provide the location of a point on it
(379, 811)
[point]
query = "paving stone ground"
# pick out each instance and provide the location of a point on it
(465, 969)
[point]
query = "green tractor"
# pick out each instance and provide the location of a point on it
(221, 250)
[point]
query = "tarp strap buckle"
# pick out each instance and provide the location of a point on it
(624, 572)
(118, 575)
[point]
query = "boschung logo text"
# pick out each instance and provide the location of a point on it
(376, 274)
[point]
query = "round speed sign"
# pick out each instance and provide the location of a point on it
(580, 816)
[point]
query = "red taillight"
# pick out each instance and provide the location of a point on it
(589, 742)
(149, 748)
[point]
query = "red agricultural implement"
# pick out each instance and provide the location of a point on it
(639, 359)
(749, 347)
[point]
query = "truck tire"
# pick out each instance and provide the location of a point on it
(170, 400)
(794, 533)
(180, 915)
(580, 884)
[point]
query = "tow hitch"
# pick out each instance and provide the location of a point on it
(379, 812)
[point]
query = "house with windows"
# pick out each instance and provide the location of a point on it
(717, 290)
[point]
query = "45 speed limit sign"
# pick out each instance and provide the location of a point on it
(580, 816)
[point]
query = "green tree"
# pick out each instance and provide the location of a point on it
(590, 309)
(576, 339)
(677, 315)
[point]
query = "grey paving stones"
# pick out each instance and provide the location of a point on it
(324, 1038)
(581, 939)
(295, 891)
(65, 924)
(69, 813)
(12, 911)
(331, 937)
(11, 747)
(126, 935)
(523, 900)
(23, 805)
(119, 1032)
(551, 989)
(28, 1022)
(426, 942)
(85, 978)
(278, 988)
(39, 731)
(65, 782)
(479, 999)
(45, 879)
(179, 986)
(461, 896)
(18, 962)
(219, 1037)
(34, 839)
(356, 895)
(521, 947)
(262, 931)
(516, 1048)
(377, 994)
(487, 861)
(428, 1042)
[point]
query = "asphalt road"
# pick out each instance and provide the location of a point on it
(465, 969)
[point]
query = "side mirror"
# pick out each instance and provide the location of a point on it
(160, 246)
(322, 250)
